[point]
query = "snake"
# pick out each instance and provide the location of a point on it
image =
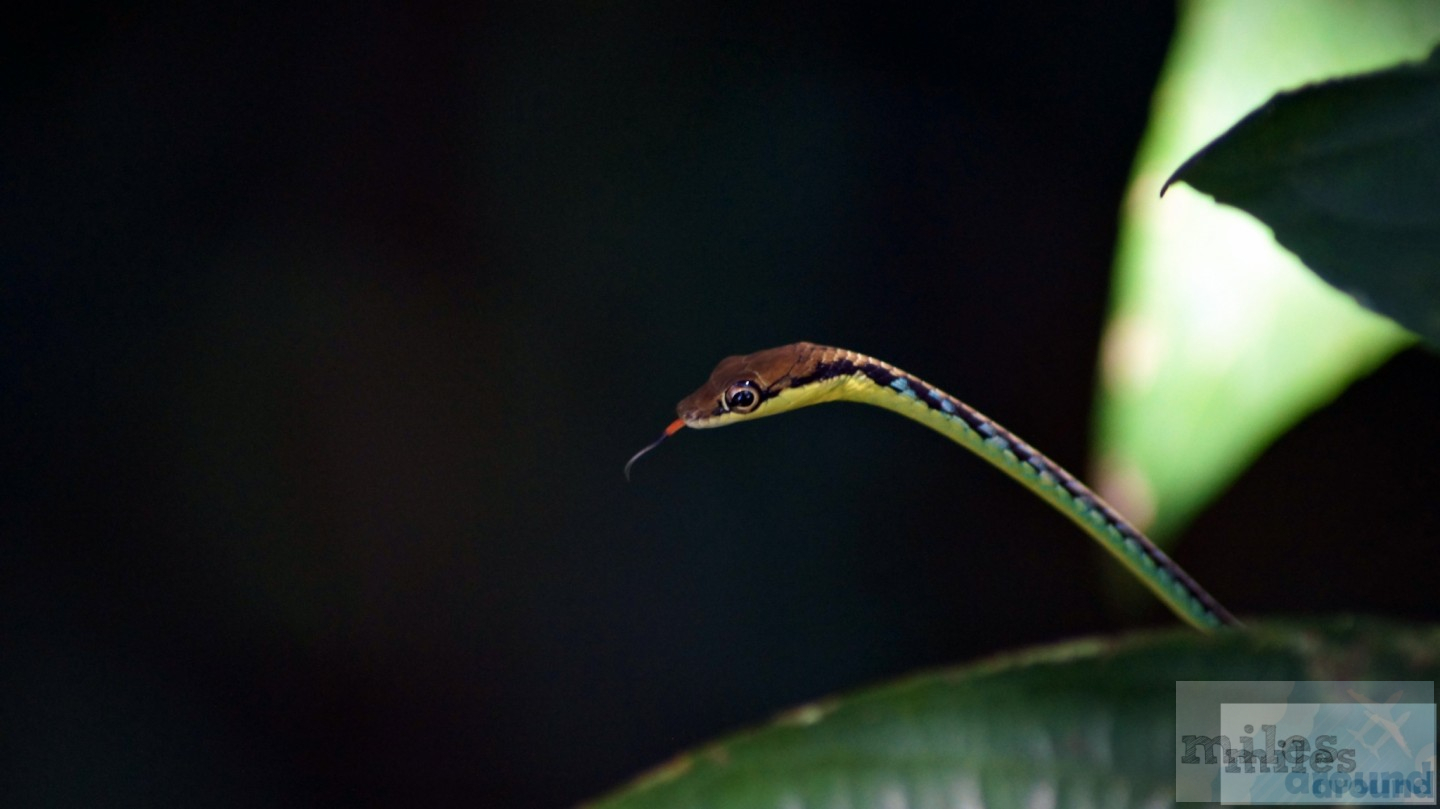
(778, 380)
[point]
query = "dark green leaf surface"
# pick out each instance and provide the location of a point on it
(1084, 724)
(1347, 175)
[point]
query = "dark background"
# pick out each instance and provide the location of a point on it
(325, 333)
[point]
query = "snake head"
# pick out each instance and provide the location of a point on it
(741, 386)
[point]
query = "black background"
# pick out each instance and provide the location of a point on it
(326, 331)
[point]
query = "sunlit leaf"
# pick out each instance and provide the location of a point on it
(1219, 339)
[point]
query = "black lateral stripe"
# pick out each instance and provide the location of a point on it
(1162, 560)
(849, 364)
(931, 396)
(881, 375)
(824, 370)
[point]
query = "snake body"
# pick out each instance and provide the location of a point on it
(782, 379)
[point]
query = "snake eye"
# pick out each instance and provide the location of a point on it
(742, 397)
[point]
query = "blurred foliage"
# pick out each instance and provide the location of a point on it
(1082, 724)
(1219, 341)
(1347, 173)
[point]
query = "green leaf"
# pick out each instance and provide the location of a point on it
(1082, 724)
(1219, 340)
(1347, 174)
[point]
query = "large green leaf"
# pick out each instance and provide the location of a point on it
(1083, 724)
(1347, 174)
